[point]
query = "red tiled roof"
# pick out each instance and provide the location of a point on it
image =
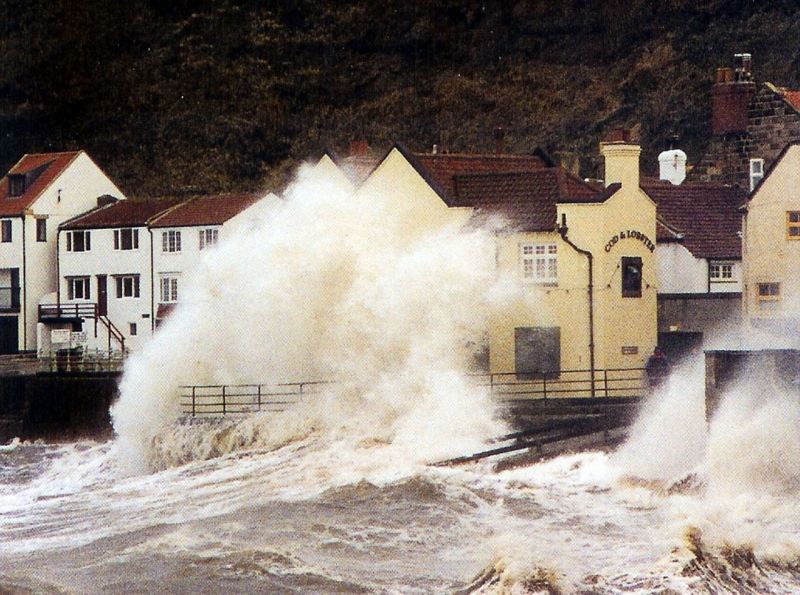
(706, 215)
(124, 213)
(526, 199)
(210, 210)
(793, 97)
(441, 169)
(39, 169)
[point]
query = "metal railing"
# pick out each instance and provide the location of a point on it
(244, 398)
(505, 387)
(79, 359)
(613, 382)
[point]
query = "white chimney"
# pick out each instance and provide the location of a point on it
(672, 166)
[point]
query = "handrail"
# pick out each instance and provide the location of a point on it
(506, 387)
(113, 331)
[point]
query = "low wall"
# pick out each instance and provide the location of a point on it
(57, 406)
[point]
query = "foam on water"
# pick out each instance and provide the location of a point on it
(334, 285)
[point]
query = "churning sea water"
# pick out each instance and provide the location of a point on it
(338, 494)
(322, 514)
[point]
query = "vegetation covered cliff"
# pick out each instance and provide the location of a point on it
(212, 95)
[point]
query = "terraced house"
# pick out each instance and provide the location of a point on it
(122, 267)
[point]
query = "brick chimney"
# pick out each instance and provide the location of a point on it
(733, 88)
(622, 159)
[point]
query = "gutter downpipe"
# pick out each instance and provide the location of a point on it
(152, 281)
(24, 289)
(562, 230)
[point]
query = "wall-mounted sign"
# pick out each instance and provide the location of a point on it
(630, 350)
(632, 234)
(59, 335)
(78, 338)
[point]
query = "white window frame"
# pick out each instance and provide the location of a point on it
(720, 271)
(168, 289)
(171, 241)
(539, 262)
(119, 239)
(86, 239)
(209, 237)
(756, 172)
(79, 288)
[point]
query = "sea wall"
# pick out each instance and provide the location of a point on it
(56, 406)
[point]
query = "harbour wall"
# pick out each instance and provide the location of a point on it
(57, 406)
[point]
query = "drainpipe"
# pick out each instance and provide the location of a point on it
(24, 289)
(563, 232)
(58, 272)
(152, 288)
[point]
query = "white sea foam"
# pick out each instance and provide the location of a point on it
(334, 285)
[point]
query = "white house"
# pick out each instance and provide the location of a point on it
(39, 193)
(121, 266)
(698, 256)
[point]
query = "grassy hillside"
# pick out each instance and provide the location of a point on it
(214, 95)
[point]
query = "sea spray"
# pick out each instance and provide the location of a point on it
(669, 438)
(362, 288)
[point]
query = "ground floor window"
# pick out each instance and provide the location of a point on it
(128, 286)
(537, 351)
(78, 288)
(169, 289)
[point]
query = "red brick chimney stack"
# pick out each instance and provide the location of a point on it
(733, 88)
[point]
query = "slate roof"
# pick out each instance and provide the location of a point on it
(440, 169)
(39, 170)
(124, 213)
(527, 199)
(704, 217)
(209, 210)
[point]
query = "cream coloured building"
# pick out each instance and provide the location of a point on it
(771, 250)
(583, 255)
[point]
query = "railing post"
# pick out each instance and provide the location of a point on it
(605, 382)
(259, 397)
(223, 400)
(544, 386)
(194, 401)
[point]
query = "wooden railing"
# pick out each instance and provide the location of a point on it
(505, 387)
(68, 311)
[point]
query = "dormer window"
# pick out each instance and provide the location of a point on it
(16, 185)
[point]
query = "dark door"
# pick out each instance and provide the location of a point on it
(102, 295)
(9, 335)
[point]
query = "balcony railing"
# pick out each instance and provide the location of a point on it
(67, 311)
